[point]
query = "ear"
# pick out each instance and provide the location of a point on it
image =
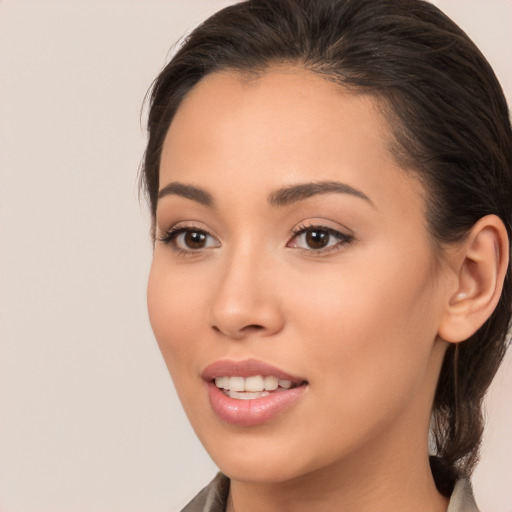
(480, 265)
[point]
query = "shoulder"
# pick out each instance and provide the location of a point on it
(462, 499)
(212, 498)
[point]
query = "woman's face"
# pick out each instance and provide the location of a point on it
(290, 246)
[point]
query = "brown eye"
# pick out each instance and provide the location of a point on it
(194, 239)
(185, 239)
(317, 239)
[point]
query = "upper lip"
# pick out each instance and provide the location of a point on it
(246, 368)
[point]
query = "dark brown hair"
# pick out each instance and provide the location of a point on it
(450, 125)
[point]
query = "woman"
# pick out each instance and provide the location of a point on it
(331, 188)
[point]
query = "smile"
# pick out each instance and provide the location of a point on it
(250, 392)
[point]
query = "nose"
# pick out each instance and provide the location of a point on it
(246, 302)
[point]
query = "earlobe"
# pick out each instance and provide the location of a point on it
(481, 266)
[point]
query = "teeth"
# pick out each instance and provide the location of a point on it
(251, 385)
(236, 383)
(271, 383)
(247, 395)
(254, 383)
(222, 382)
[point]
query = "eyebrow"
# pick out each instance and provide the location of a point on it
(281, 197)
(188, 192)
(294, 193)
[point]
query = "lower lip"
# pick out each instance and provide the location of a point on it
(246, 413)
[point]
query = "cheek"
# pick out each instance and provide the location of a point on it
(174, 312)
(172, 308)
(371, 326)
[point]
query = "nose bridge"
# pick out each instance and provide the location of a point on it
(245, 300)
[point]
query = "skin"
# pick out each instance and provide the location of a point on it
(359, 321)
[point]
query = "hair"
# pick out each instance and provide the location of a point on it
(450, 127)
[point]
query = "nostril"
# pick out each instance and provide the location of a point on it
(239, 333)
(252, 327)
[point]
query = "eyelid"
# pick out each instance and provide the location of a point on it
(345, 237)
(169, 236)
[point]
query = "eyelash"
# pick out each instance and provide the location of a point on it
(170, 236)
(344, 239)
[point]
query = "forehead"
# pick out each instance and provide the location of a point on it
(285, 125)
(283, 104)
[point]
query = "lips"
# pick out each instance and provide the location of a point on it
(251, 392)
(246, 368)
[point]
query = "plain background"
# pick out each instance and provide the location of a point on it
(88, 417)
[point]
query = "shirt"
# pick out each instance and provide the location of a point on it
(213, 498)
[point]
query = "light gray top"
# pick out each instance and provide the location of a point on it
(213, 498)
(462, 499)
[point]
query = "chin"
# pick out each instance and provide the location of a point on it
(262, 458)
(258, 471)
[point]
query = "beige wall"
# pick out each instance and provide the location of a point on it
(88, 417)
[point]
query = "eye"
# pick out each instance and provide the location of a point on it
(189, 239)
(319, 238)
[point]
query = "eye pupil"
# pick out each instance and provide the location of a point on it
(317, 239)
(195, 239)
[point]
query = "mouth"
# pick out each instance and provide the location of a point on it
(251, 392)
